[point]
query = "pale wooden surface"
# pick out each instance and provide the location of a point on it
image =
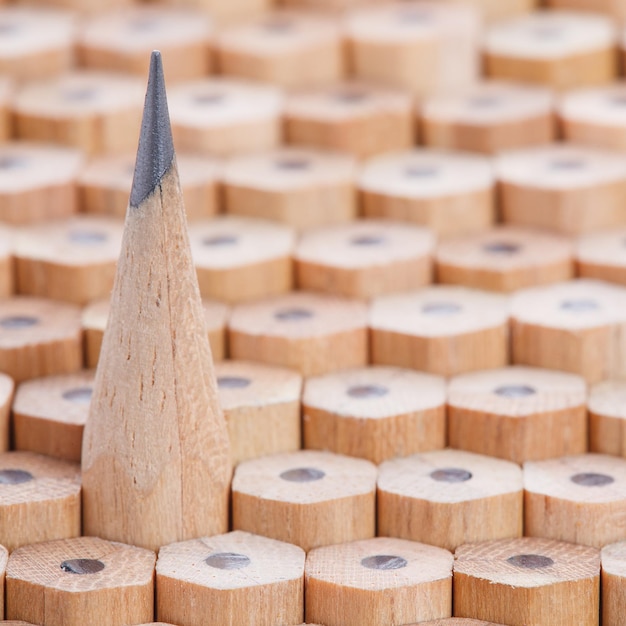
(413, 581)
(226, 12)
(49, 414)
(518, 413)
(614, 8)
(7, 388)
(607, 403)
(581, 499)
(40, 499)
(374, 413)
(239, 577)
(312, 333)
(6, 94)
(261, 406)
(445, 330)
(364, 259)
(41, 591)
(603, 256)
(308, 498)
(449, 497)
(613, 558)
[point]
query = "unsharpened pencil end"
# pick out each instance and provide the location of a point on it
(156, 148)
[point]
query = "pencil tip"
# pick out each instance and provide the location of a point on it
(156, 148)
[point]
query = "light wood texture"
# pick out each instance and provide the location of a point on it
(121, 41)
(6, 121)
(607, 404)
(237, 578)
(613, 558)
(375, 413)
(354, 117)
(457, 621)
(518, 413)
(602, 256)
(560, 49)
(39, 337)
(576, 326)
(505, 258)
(261, 405)
(7, 262)
(71, 260)
(238, 259)
(286, 48)
(426, 48)
(4, 557)
(595, 116)
(448, 497)
(80, 6)
(226, 13)
(565, 188)
(7, 388)
(381, 581)
(442, 330)
(225, 116)
(104, 185)
(302, 187)
(39, 499)
(79, 581)
(489, 117)
(308, 498)
(528, 582)
(49, 414)
(96, 112)
(581, 499)
(96, 314)
(496, 10)
(36, 43)
(364, 259)
(450, 193)
(312, 333)
(37, 182)
(614, 8)
(156, 460)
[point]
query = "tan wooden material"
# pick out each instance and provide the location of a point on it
(505, 258)
(79, 581)
(80, 6)
(497, 10)
(528, 581)
(354, 117)
(565, 188)
(375, 413)
(7, 388)
(426, 48)
(489, 117)
(6, 121)
(225, 116)
(450, 193)
(330, 7)
(237, 578)
(261, 405)
(96, 112)
(365, 259)
(226, 13)
(286, 48)
(518, 413)
(36, 43)
(104, 185)
(312, 333)
(71, 260)
(378, 581)
(614, 8)
(155, 460)
(576, 326)
(37, 182)
(238, 259)
(613, 558)
(49, 414)
(559, 49)
(39, 499)
(457, 621)
(7, 262)
(602, 256)
(302, 187)
(307, 498)
(444, 330)
(607, 412)
(581, 499)
(96, 314)
(122, 40)
(595, 116)
(4, 557)
(39, 337)
(448, 497)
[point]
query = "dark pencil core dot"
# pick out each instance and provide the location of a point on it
(367, 240)
(293, 315)
(441, 308)
(366, 392)
(421, 171)
(293, 164)
(82, 566)
(87, 237)
(515, 391)
(217, 241)
(530, 561)
(451, 475)
(14, 477)
(579, 306)
(18, 321)
(12, 162)
(79, 395)
(502, 248)
(303, 475)
(384, 562)
(567, 165)
(350, 97)
(79, 94)
(209, 99)
(233, 382)
(590, 479)
(227, 560)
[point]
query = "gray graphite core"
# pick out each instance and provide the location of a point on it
(82, 566)
(233, 382)
(227, 560)
(451, 475)
(156, 148)
(591, 479)
(384, 561)
(530, 561)
(366, 392)
(14, 477)
(18, 321)
(303, 475)
(78, 395)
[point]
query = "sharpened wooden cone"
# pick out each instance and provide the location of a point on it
(156, 464)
